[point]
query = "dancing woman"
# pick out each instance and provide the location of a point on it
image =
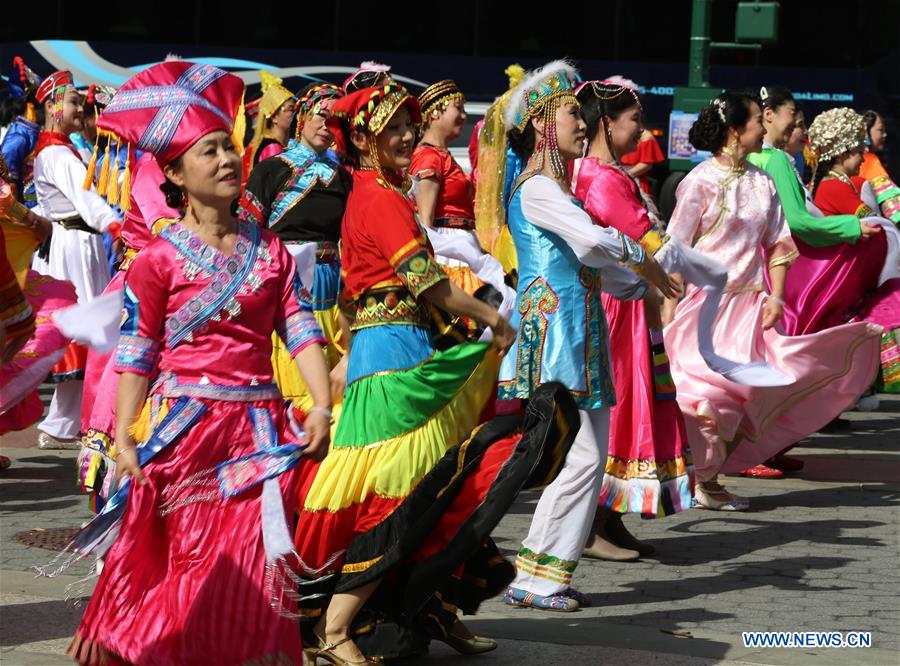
(564, 263)
(729, 210)
(648, 468)
(201, 302)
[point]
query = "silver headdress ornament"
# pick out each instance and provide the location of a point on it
(763, 94)
(837, 131)
(720, 107)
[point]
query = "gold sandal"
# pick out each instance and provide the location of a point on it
(326, 651)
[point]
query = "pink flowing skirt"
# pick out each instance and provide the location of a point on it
(649, 469)
(832, 368)
(20, 406)
(190, 587)
(832, 285)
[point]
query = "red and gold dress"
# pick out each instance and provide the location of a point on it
(409, 491)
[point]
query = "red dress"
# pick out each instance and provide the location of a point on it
(648, 152)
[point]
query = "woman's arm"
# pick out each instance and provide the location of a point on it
(447, 296)
(131, 393)
(426, 194)
(773, 310)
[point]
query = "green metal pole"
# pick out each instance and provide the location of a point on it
(698, 65)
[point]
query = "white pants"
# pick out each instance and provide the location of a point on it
(565, 512)
(64, 414)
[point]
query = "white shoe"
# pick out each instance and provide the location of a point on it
(712, 495)
(49, 442)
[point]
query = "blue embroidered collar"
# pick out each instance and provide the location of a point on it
(308, 167)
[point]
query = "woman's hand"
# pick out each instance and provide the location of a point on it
(773, 310)
(504, 334)
(338, 378)
(655, 275)
(318, 434)
(867, 230)
(127, 464)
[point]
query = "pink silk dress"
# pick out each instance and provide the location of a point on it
(147, 213)
(189, 571)
(649, 469)
(732, 215)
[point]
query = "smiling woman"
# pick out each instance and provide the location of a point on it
(205, 284)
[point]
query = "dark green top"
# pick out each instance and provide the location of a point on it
(815, 231)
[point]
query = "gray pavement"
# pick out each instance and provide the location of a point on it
(817, 551)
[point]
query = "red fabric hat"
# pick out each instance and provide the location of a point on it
(55, 84)
(370, 109)
(167, 108)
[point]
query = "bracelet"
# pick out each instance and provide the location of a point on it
(778, 300)
(321, 410)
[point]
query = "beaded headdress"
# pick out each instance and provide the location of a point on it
(369, 75)
(313, 99)
(542, 92)
(837, 131)
(98, 96)
(55, 87)
(164, 110)
(438, 97)
(368, 111)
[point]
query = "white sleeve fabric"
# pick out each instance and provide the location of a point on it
(545, 205)
(67, 173)
(620, 281)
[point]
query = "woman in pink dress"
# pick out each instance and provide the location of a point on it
(649, 468)
(730, 211)
(187, 579)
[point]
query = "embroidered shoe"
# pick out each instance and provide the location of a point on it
(763, 472)
(554, 602)
(572, 593)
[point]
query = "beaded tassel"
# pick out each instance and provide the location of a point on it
(112, 191)
(103, 183)
(125, 192)
(92, 166)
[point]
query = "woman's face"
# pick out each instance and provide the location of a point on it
(851, 161)
(750, 136)
(72, 112)
(878, 135)
(451, 120)
(395, 143)
(625, 131)
(570, 131)
(210, 170)
(780, 122)
(314, 134)
(283, 116)
(798, 135)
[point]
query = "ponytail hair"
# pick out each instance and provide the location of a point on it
(730, 110)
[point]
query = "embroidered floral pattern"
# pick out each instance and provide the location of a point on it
(536, 302)
(394, 306)
(299, 331)
(544, 565)
(137, 354)
(420, 271)
(234, 275)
